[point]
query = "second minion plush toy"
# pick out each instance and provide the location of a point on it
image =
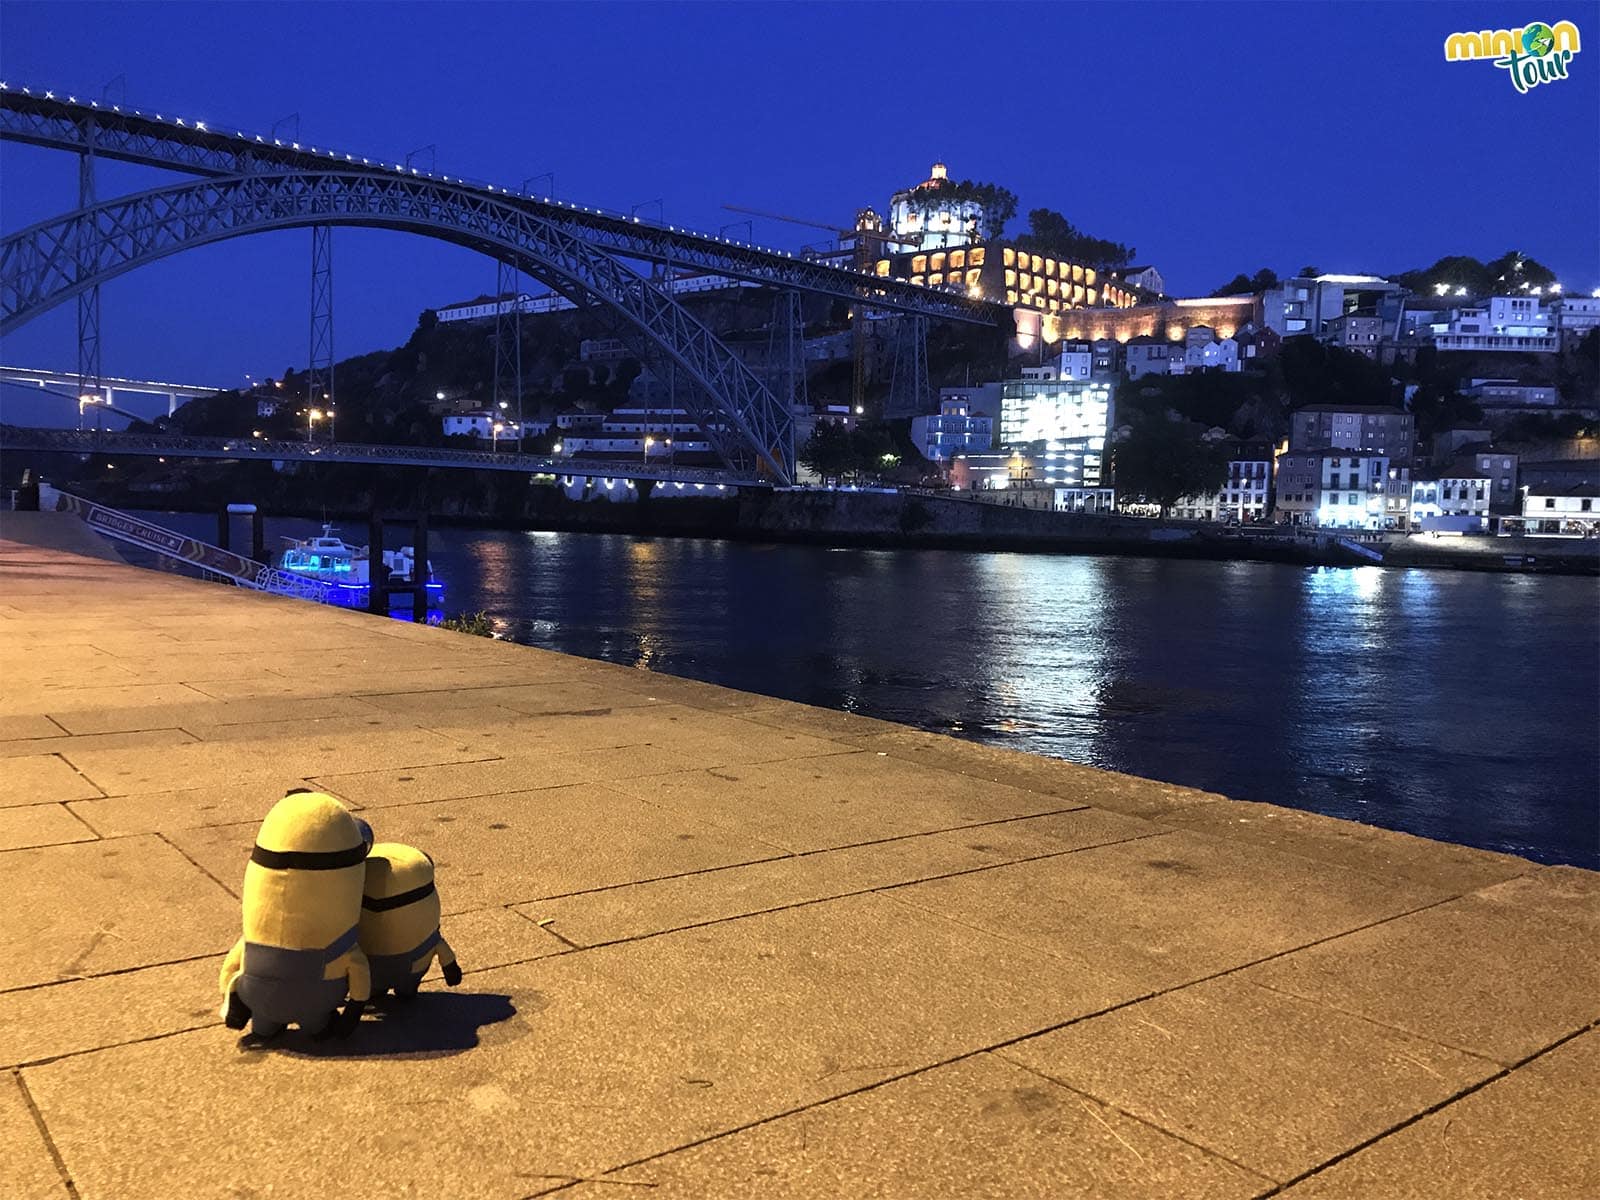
(299, 956)
(400, 921)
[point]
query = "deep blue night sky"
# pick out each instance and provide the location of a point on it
(1214, 137)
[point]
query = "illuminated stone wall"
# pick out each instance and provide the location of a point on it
(1170, 319)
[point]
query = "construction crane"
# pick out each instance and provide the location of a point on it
(869, 240)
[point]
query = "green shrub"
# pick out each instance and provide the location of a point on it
(477, 623)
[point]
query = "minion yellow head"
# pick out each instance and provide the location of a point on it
(399, 906)
(302, 887)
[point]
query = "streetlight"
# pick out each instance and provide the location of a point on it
(313, 415)
(648, 442)
(438, 396)
(556, 449)
(495, 432)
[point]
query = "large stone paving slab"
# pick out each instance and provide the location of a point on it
(40, 825)
(519, 846)
(195, 712)
(612, 1055)
(144, 739)
(527, 768)
(1275, 1084)
(42, 778)
(1498, 973)
(710, 739)
(1167, 910)
(1053, 777)
(978, 1127)
(27, 1172)
(645, 908)
(1381, 852)
(242, 798)
(1529, 1134)
(94, 907)
(338, 747)
(836, 800)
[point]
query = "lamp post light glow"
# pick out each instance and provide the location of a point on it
(313, 415)
(494, 432)
(648, 442)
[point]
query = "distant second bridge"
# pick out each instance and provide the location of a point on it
(245, 449)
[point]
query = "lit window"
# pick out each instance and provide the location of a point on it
(1038, 264)
(938, 262)
(1010, 256)
(1050, 267)
(958, 258)
(1011, 279)
(919, 264)
(917, 279)
(936, 278)
(976, 257)
(973, 275)
(883, 267)
(1025, 282)
(1088, 276)
(1011, 297)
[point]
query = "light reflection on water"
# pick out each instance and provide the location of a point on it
(1449, 704)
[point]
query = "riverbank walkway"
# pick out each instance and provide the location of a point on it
(719, 944)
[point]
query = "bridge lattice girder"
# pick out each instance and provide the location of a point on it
(137, 137)
(55, 260)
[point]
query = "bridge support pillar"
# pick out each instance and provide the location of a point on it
(319, 376)
(508, 347)
(172, 403)
(786, 361)
(89, 301)
(910, 394)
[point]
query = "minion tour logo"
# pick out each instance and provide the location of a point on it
(1535, 54)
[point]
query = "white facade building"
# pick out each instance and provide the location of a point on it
(1343, 491)
(1085, 500)
(1573, 511)
(646, 432)
(1508, 393)
(1505, 323)
(1204, 351)
(927, 218)
(1246, 493)
(1574, 316)
(1063, 422)
(1450, 496)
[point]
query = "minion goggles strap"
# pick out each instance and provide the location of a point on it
(385, 903)
(308, 860)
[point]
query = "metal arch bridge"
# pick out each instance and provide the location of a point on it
(254, 184)
(87, 441)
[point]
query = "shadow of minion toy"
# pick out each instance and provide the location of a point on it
(300, 956)
(400, 921)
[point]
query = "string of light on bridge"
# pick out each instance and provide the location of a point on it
(336, 157)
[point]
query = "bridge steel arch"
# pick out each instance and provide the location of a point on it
(56, 260)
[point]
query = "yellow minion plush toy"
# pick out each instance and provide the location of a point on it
(299, 955)
(400, 921)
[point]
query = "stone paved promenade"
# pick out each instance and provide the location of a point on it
(723, 945)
